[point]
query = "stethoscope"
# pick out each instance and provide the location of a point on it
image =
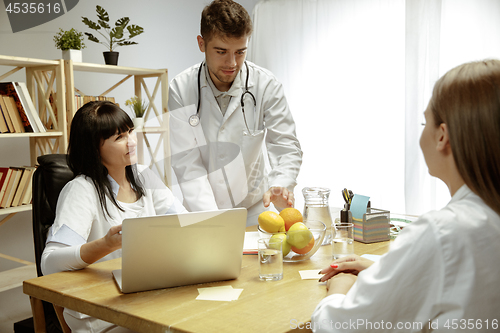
(194, 120)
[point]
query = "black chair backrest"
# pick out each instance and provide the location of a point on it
(49, 178)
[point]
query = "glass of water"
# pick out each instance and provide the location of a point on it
(342, 242)
(270, 259)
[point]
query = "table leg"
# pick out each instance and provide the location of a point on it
(38, 315)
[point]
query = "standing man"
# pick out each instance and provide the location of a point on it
(225, 113)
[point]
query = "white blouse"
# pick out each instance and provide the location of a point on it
(442, 273)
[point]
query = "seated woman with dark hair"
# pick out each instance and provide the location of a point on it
(442, 272)
(108, 187)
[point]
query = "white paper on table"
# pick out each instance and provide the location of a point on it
(222, 293)
(311, 274)
(251, 240)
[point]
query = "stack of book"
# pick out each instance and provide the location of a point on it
(81, 100)
(17, 111)
(15, 186)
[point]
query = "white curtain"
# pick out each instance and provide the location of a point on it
(358, 75)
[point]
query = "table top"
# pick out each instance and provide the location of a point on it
(263, 306)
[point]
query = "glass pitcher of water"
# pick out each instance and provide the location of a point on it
(316, 208)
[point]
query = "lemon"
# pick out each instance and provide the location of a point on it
(271, 222)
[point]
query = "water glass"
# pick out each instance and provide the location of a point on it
(343, 242)
(270, 259)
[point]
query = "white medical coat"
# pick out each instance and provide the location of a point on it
(218, 163)
(440, 275)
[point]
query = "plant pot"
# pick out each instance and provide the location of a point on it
(75, 55)
(138, 123)
(111, 58)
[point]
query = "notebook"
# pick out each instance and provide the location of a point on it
(176, 250)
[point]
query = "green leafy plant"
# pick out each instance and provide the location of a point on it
(137, 105)
(69, 40)
(113, 37)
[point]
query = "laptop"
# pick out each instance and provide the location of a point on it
(175, 250)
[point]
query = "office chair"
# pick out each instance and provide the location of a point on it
(49, 178)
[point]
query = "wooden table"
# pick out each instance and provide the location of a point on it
(263, 306)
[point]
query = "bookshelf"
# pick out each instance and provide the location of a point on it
(51, 86)
(46, 86)
(148, 84)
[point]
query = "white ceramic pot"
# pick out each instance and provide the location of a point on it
(75, 55)
(138, 122)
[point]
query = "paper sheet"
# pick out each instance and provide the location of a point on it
(358, 206)
(222, 293)
(311, 274)
(251, 239)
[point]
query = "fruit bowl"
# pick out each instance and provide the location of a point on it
(318, 230)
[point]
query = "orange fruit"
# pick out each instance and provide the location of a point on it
(291, 216)
(305, 249)
(271, 222)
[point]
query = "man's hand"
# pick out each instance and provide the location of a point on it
(280, 196)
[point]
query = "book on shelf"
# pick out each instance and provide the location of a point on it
(21, 110)
(11, 187)
(27, 173)
(3, 123)
(15, 118)
(28, 191)
(16, 189)
(6, 116)
(29, 107)
(81, 100)
(5, 184)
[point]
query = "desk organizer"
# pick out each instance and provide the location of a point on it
(374, 227)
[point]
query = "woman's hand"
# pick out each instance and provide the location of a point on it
(113, 238)
(351, 264)
(340, 283)
(99, 248)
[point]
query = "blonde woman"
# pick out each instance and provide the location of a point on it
(442, 273)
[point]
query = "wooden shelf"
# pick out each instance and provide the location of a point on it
(48, 134)
(13, 278)
(26, 62)
(109, 69)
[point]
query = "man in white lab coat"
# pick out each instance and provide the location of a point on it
(225, 113)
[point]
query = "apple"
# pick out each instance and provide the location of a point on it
(299, 235)
(285, 246)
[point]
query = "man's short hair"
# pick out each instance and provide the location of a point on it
(225, 18)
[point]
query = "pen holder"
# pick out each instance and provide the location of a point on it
(374, 227)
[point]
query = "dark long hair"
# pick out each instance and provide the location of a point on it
(92, 124)
(467, 99)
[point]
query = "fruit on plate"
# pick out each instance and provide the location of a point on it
(305, 249)
(299, 235)
(285, 247)
(291, 216)
(271, 222)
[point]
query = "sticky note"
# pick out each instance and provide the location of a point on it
(222, 293)
(359, 203)
(311, 274)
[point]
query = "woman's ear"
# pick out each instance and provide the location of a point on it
(443, 139)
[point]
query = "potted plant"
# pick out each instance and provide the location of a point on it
(139, 107)
(120, 35)
(71, 43)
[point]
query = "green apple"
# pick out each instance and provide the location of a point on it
(299, 235)
(285, 246)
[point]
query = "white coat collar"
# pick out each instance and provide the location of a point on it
(114, 185)
(461, 193)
